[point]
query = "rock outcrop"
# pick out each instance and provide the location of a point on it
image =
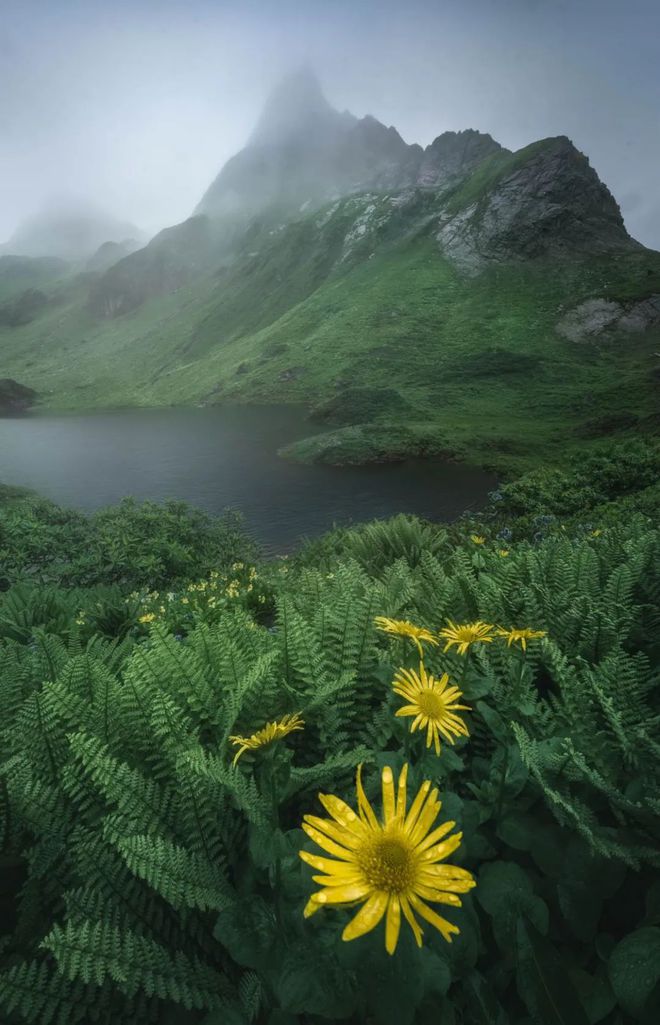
(543, 198)
(453, 156)
(600, 318)
(15, 397)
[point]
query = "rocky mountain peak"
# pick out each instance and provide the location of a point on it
(544, 198)
(296, 106)
(455, 154)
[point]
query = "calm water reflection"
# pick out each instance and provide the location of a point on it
(218, 457)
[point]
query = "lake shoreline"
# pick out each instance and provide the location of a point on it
(219, 457)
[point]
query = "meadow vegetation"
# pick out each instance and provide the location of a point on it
(408, 774)
(470, 365)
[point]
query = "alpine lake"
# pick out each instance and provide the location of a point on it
(223, 457)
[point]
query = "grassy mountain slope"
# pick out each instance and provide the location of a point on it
(356, 311)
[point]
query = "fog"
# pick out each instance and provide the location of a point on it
(133, 107)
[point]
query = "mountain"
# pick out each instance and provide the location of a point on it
(110, 253)
(71, 233)
(21, 272)
(461, 297)
(303, 153)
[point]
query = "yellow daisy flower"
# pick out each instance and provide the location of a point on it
(267, 734)
(404, 628)
(390, 867)
(502, 552)
(513, 636)
(463, 636)
(433, 703)
(148, 617)
(477, 539)
(596, 533)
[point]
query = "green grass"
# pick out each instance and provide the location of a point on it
(298, 318)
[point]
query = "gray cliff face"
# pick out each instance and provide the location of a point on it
(546, 198)
(453, 155)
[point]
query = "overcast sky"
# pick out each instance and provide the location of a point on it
(134, 106)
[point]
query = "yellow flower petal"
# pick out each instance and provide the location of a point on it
(392, 924)
(402, 793)
(341, 812)
(417, 930)
(365, 809)
(441, 924)
(389, 803)
(320, 837)
(367, 917)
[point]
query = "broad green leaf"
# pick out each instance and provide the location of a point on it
(543, 982)
(634, 968)
(494, 721)
(595, 993)
(582, 906)
(483, 1006)
(248, 930)
(393, 985)
(517, 830)
(312, 981)
(506, 893)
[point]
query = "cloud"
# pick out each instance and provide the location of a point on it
(135, 106)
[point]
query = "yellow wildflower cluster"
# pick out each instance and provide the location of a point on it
(211, 593)
(394, 867)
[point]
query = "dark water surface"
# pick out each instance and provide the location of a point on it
(218, 457)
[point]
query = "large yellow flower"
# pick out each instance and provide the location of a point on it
(391, 867)
(463, 636)
(514, 636)
(433, 703)
(267, 734)
(404, 628)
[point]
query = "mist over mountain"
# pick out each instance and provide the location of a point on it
(480, 201)
(303, 152)
(330, 258)
(68, 232)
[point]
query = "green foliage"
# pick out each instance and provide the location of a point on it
(151, 881)
(595, 486)
(132, 544)
(358, 292)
